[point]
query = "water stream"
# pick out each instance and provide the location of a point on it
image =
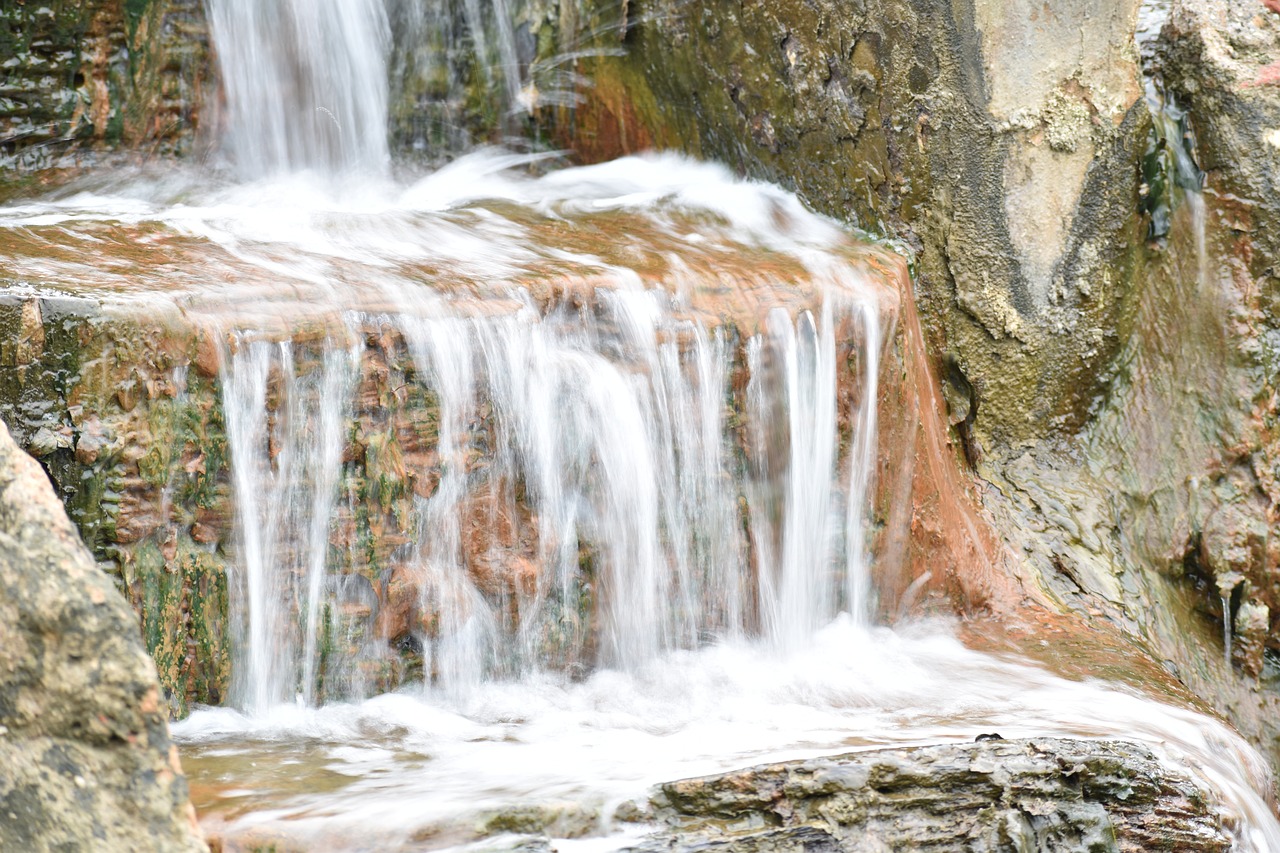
(636, 545)
(305, 83)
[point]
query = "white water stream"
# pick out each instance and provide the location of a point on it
(729, 583)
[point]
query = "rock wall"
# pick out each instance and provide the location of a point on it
(996, 139)
(83, 77)
(86, 762)
(127, 452)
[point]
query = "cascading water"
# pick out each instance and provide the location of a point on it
(305, 84)
(609, 419)
(632, 545)
(284, 505)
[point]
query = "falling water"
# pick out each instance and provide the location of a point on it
(305, 84)
(283, 506)
(610, 418)
(1226, 630)
(637, 540)
(683, 459)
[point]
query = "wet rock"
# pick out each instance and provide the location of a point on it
(146, 487)
(998, 139)
(82, 77)
(567, 820)
(1252, 629)
(1220, 58)
(1006, 795)
(86, 762)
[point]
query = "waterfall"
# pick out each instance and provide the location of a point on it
(604, 440)
(305, 83)
(287, 459)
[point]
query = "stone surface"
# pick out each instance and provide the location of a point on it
(1045, 794)
(1160, 517)
(86, 762)
(81, 77)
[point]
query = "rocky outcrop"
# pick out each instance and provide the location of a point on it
(1160, 517)
(1002, 795)
(86, 762)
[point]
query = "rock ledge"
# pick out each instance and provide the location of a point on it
(1001, 795)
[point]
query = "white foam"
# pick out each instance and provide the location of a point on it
(546, 740)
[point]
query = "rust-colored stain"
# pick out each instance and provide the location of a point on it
(606, 125)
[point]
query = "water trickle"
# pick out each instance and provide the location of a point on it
(1172, 177)
(1226, 630)
(285, 479)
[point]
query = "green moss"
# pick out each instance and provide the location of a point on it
(134, 11)
(183, 607)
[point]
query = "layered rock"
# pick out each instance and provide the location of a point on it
(83, 77)
(86, 761)
(1000, 795)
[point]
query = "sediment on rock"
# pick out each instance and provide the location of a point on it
(86, 762)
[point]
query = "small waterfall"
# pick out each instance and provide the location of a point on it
(597, 431)
(287, 459)
(305, 83)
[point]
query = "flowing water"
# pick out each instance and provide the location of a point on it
(714, 444)
(305, 83)
(637, 547)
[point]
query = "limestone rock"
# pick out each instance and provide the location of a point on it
(86, 761)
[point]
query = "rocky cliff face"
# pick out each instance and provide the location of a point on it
(80, 78)
(86, 762)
